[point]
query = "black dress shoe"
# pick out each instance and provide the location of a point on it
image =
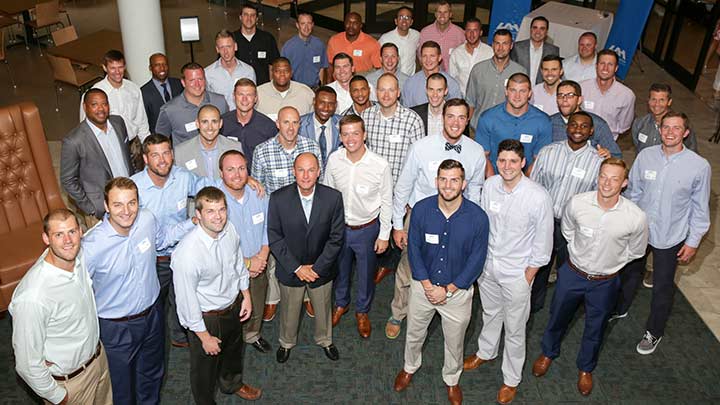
(262, 345)
(332, 352)
(282, 354)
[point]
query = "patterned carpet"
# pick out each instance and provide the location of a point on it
(684, 369)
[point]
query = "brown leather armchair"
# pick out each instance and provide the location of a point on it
(28, 191)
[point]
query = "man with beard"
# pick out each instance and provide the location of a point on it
(544, 93)
(468, 54)
(321, 125)
(55, 334)
(227, 69)
(448, 244)
(281, 91)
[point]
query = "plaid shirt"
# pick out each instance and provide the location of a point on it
(391, 137)
(272, 165)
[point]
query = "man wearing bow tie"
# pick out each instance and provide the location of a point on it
(417, 181)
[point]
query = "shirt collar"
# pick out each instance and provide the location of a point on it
(58, 272)
(97, 131)
(309, 197)
(206, 239)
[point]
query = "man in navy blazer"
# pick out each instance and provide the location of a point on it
(323, 115)
(306, 230)
(153, 92)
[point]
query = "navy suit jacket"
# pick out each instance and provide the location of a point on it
(307, 130)
(294, 241)
(153, 100)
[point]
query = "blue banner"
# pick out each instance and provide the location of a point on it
(507, 14)
(626, 30)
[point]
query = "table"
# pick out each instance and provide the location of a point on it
(15, 7)
(90, 48)
(567, 23)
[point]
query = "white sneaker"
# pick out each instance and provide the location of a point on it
(615, 317)
(648, 344)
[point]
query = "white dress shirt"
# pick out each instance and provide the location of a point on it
(602, 242)
(55, 325)
(127, 102)
(110, 146)
(535, 59)
(208, 274)
(461, 62)
(407, 46)
(366, 187)
(521, 227)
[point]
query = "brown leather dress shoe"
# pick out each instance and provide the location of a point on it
(363, 325)
(392, 328)
(381, 273)
(249, 393)
(454, 394)
(269, 312)
(402, 380)
(541, 365)
(506, 394)
(585, 383)
(473, 361)
(309, 309)
(338, 312)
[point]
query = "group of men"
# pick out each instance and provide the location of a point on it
(256, 186)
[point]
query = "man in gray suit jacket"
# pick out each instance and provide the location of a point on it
(530, 58)
(321, 125)
(92, 154)
(201, 153)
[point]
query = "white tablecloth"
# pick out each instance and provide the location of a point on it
(567, 23)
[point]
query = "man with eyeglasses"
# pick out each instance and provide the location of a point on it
(569, 99)
(405, 39)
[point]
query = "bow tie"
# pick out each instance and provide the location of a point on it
(449, 146)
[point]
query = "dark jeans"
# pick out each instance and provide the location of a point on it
(559, 256)
(359, 245)
(663, 291)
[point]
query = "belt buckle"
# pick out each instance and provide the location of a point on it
(590, 277)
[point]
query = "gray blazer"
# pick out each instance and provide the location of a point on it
(84, 170)
(521, 54)
(189, 156)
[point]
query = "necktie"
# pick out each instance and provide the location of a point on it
(449, 146)
(166, 93)
(323, 144)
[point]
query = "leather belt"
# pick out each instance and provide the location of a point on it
(356, 227)
(82, 368)
(131, 317)
(219, 312)
(590, 277)
(163, 258)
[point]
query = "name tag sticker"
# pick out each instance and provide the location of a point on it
(280, 172)
(191, 164)
(587, 231)
(526, 138)
(432, 238)
(395, 138)
(495, 206)
(182, 204)
(144, 245)
(578, 172)
(433, 166)
(362, 189)
(190, 126)
(642, 137)
(650, 174)
(234, 138)
(258, 218)
(505, 83)
(272, 116)
(357, 52)
(588, 105)
(316, 59)
(262, 54)
(539, 107)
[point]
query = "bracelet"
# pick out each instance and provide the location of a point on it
(248, 262)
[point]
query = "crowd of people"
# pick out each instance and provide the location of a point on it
(266, 182)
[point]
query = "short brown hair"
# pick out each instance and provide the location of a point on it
(675, 114)
(519, 78)
(122, 183)
(224, 33)
(231, 152)
(455, 102)
(449, 164)
(244, 82)
(113, 55)
(154, 139)
(58, 214)
(209, 194)
(613, 161)
(351, 119)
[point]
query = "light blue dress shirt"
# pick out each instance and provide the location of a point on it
(249, 216)
(110, 146)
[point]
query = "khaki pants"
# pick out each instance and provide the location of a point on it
(273, 289)
(258, 290)
(504, 305)
(291, 304)
(92, 386)
(455, 315)
(399, 304)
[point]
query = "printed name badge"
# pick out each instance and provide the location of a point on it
(642, 137)
(182, 204)
(280, 172)
(190, 126)
(539, 107)
(258, 218)
(495, 206)
(362, 189)
(432, 238)
(357, 52)
(316, 59)
(650, 174)
(588, 105)
(191, 164)
(234, 138)
(587, 231)
(433, 166)
(262, 54)
(578, 172)
(526, 138)
(395, 138)
(144, 245)
(505, 83)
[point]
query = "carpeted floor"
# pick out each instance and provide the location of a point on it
(684, 369)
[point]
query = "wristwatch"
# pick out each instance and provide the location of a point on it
(448, 293)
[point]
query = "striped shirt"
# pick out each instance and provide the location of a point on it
(273, 165)
(391, 137)
(565, 172)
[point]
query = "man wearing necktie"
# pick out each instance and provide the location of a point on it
(160, 89)
(321, 125)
